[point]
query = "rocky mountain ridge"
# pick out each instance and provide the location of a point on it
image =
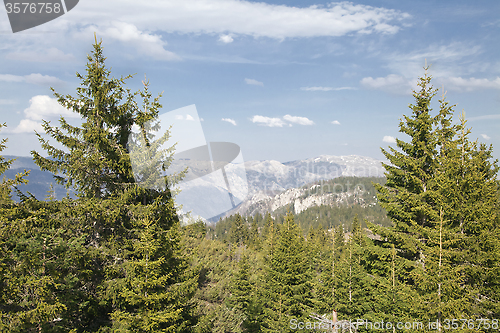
(347, 191)
(267, 184)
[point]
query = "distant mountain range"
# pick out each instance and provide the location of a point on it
(265, 178)
(39, 181)
(276, 176)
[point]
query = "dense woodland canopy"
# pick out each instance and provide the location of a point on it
(116, 258)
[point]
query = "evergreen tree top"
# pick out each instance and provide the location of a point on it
(95, 158)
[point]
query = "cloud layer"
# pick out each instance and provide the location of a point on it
(47, 55)
(254, 82)
(470, 84)
(35, 78)
(298, 120)
(256, 19)
(391, 83)
(287, 120)
(144, 42)
(228, 19)
(42, 107)
(389, 139)
(229, 120)
(226, 39)
(267, 121)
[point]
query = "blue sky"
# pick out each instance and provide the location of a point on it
(284, 80)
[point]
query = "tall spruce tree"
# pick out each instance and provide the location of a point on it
(407, 196)
(440, 194)
(288, 280)
(139, 276)
(467, 187)
(97, 163)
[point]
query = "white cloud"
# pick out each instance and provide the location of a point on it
(45, 107)
(444, 60)
(267, 121)
(50, 55)
(120, 20)
(392, 83)
(251, 18)
(229, 120)
(336, 122)
(146, 43)
(298, 120)
(254, 82)
(11, 78)
(26, 126)
(389, 139)
(35, 78)
(486, 137)
(471, 84)
(43, 80)
(278, 122)
(226, 39)
(326, 88)
(42, 107)
(188, 117)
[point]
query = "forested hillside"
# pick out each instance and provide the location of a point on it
(116, 259)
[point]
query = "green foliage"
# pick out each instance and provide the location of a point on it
(111, 260)
(287, 279)
(441, 194)
(116, 259)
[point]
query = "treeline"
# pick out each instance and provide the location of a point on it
(438, 263)
(116, 258)
(360, 200)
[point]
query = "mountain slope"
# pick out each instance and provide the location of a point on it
(264, 178)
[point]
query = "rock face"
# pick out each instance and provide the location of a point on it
(321, 193)
(263, 180)
(273, 185)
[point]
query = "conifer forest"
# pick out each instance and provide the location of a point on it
(116, 258)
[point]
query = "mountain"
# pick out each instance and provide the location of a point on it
(260, 181)
(39, 181)
(339, 192)
(324, 203)
(272, 176)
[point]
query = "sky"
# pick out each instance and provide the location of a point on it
(285, 80)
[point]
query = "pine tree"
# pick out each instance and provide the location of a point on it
(468, 189)
(407, 195)
(440, 194)
(97, 164)
(152, 280)
(243, 296)
(326, 293)
(288, 280)
(7, 184)
(128, 218)
(238, 233)
(33, 282)
(254, 237)
(241, 288)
